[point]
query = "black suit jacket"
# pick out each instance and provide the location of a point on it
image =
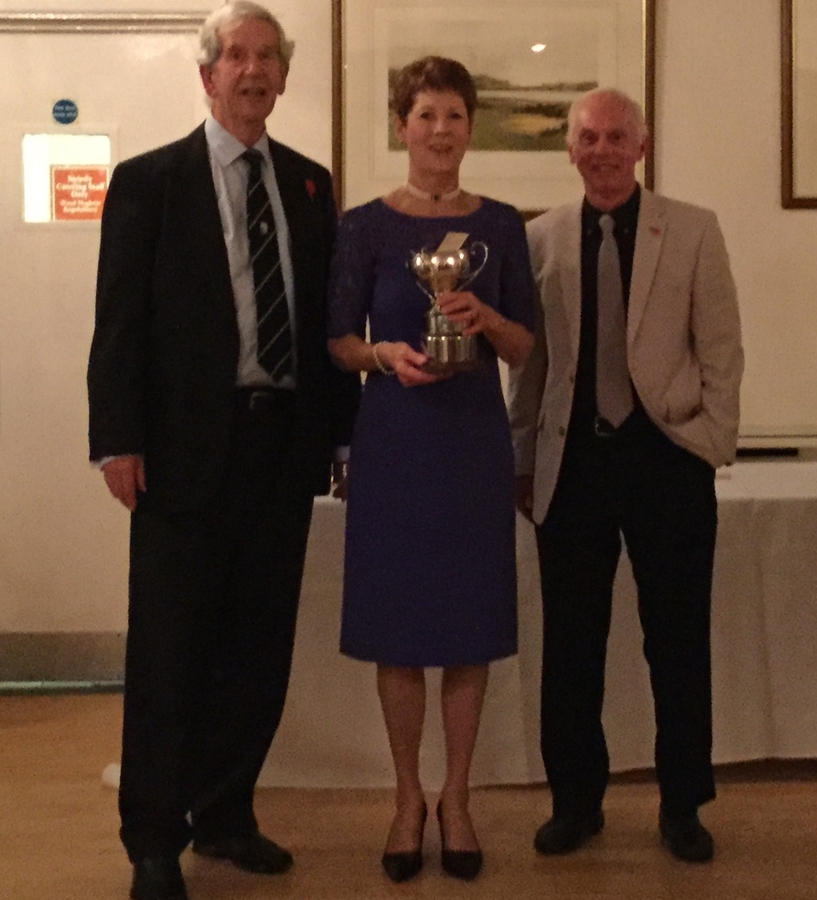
(164, 356)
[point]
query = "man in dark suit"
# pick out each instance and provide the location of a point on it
(623, 411)
(216, 445)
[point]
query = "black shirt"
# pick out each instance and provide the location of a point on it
(583, 414)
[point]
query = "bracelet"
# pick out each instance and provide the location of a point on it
(378, 362)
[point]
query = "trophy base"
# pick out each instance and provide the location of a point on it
(449, 354)
(437, 367)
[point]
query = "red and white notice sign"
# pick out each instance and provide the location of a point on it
(78, 192)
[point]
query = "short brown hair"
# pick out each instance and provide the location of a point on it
(432, 73)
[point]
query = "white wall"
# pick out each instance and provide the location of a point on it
(63, 540)
(717, 143)
(718, 129)
(717, 138)
(303, 116)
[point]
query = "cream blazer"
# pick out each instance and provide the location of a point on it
(683, 337)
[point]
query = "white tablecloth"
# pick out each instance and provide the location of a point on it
(764, 630)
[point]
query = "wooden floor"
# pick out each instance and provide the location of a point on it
(58, 831)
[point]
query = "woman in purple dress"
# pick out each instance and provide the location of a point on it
(430, 573)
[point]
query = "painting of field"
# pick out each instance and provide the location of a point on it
(530, 59)
(523, 94)
(510, 117)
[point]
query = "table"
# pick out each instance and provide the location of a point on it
(764, 629)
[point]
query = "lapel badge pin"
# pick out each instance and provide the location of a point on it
(264, 227)
(655, 230)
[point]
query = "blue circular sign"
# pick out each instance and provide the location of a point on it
(65, 112)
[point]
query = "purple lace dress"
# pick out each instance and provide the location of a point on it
(430, 572)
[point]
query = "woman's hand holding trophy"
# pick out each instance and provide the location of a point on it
(409, 365)
(465, 309)
(454, 319)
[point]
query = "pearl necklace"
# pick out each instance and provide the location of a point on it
(427, 195)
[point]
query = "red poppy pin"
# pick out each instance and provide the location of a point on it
(310, 187)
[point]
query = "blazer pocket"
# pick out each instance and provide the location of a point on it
(684, 397)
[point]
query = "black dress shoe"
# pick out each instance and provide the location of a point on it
(158, 878)
(686, 838)
(564, 834)
(405, 865)
(252, 852)
(462, 864)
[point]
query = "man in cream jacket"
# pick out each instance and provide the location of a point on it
(625, 408)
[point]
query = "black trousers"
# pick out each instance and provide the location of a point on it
(211, 627)
(662, 499)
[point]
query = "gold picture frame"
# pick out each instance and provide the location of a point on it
(604, 42)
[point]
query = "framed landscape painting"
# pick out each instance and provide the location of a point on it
(799, 103)
(529, 62)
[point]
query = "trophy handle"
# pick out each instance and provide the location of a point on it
(417, 278)
(477, 245)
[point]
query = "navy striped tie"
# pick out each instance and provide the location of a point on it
(272, 313)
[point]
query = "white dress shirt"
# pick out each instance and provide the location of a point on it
(230, 174)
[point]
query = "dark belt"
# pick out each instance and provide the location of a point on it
(263, 399)
(636, 423)
(603, 428)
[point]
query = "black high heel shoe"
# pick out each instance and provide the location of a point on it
(463, 864)
(405, 865)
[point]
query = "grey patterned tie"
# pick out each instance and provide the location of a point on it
(614, 396)
(272, 313)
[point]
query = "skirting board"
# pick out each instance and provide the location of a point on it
(81, 659)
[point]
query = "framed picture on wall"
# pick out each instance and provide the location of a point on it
(529, 61)
(799, 103)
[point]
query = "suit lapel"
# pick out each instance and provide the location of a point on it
(293, 190)
(570, 274)
(293, 193)
(648, 241)
(197, 198)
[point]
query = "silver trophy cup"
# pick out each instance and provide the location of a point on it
(448, 349)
